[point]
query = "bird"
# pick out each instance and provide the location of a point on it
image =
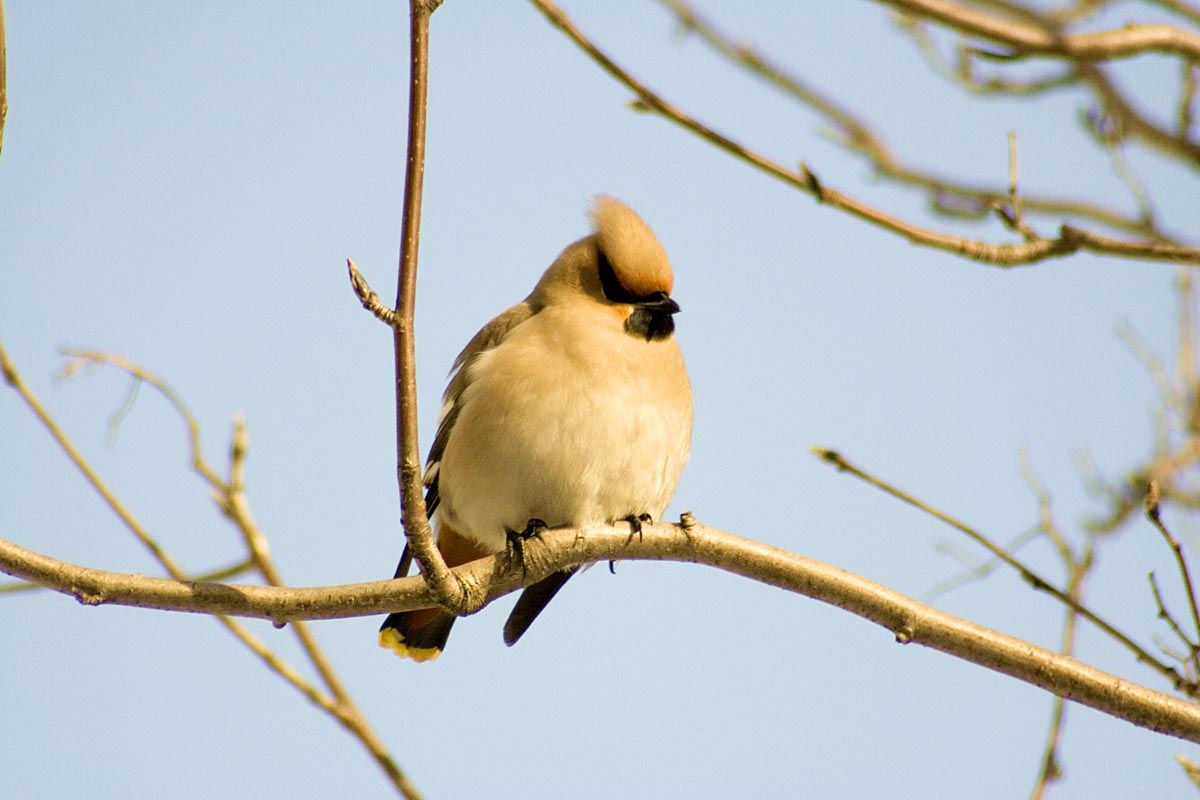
(571, 408)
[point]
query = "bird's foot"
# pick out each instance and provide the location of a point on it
(635, 525)
(517, 539)
(635, 529)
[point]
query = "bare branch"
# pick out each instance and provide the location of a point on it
(1186, 113)
(908, 620)
(1186, 363)
(1129, 40)
(79, 358)
(3, 77)
(1134, 123)
(415, 519)
(1167, 616)
(1070, 239)
(1080, 239)
(856, 133)
(13, 378)
(1017, 220)
(1028, 575)
(1190, 769)
(1152, 514)
(1077, 567)
(948, 196)
(963, 69)
(340, 706)
(1051, 768)
(1116, 109)
(974, 571)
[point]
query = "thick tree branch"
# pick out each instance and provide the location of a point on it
(907, 619)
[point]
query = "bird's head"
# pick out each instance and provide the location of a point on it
(622, 266)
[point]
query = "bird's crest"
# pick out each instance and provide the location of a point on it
(638, 260)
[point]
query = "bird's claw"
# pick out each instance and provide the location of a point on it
(635, 529)
(533, 529)
(635, 525)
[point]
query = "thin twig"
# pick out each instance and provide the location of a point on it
(1029, 576)
(1157, 370)
(1017, 222)
(78, 358)
(3, 77)
(1190, 769)
(1077, 568)
(1166, 615)
(975, 572)
(1046, 522)
(340, 706)
(1133, 182)
(1186, 113)
(1051, 767)
(1152, 514)
(13, 378)
(1187, 365)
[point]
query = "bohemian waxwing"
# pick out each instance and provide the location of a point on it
(571, 408)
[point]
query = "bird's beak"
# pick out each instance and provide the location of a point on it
(659, 301)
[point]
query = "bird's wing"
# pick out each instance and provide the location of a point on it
(488, 337)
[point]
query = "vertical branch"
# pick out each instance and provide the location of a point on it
(3, 77)
(1014, 197)
(1187, 367)
(1051, 768)
(412, 501)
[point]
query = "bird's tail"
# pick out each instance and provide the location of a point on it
(421, 635)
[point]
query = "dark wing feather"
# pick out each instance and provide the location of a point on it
(531, 603)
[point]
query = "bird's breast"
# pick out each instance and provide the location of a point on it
(570, 424)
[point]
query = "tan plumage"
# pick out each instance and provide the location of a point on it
(572, 407)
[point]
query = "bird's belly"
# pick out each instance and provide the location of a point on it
(562, 450)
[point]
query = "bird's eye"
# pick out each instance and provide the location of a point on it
(611, 286)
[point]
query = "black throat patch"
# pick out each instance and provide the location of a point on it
(650, 324)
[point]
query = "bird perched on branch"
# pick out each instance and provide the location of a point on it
(571, 408)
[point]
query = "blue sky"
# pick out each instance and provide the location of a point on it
(182, 185)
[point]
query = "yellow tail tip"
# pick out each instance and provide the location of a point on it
(392, 639)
